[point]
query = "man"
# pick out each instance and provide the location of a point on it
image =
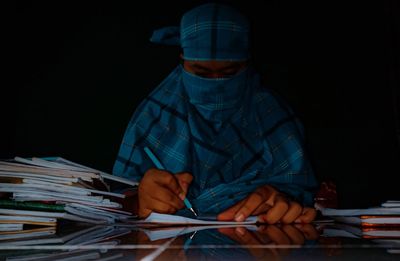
(227, 143)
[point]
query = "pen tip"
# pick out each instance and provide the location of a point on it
(191, 209)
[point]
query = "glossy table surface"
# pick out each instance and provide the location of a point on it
(123, 242)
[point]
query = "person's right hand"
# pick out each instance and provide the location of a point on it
(162, 192)
(175, 251)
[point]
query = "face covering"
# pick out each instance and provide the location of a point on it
(215, 95)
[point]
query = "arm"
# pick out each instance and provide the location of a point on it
(288, 191)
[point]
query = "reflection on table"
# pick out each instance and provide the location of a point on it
(123, 242)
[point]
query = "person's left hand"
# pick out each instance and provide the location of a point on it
(270, 206)
(271, 235)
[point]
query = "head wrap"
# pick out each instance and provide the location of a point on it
(209, 32)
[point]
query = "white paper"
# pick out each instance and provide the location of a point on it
(168, 232)
(174, 219)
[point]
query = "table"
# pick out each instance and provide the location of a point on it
(127, 242)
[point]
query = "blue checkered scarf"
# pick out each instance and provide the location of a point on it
(209, 32)
(230, 151)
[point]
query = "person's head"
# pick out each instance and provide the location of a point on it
(214, 39)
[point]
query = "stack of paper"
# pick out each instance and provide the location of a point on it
(382, 221)
(387, 214)
(73, 235)
(26, 233)
(351, 231)
(41, 191)
(81, 254)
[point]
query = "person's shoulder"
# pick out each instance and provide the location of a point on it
(271, 105)
(266, 96)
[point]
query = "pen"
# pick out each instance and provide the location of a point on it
(160, 166)
(189, 240)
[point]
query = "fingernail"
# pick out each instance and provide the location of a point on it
(239, 217)
(181, 196)
(297, 221)
(240, 231)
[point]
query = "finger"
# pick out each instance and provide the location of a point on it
(276, 212)
(263, 208)
(252, 203)
(278, 237)
(268, 193)
(307, 216)
(229, 214)
(308, 230)
(184, 180)
(275, 235)
(143, 212)
(245, 236)
(293, 213)
(228, 231)
(169, 181)
(242, 236)
(295, 235)
(247, 239)
(166, 196)
(272, 194)
(232, 233)
(159, 206)
(262, 234)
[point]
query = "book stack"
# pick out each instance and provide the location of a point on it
(377, 222)
(70, 235)
(41, 191)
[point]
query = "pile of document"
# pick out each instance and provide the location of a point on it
(70, 235)
(376, 222)
(42, 191)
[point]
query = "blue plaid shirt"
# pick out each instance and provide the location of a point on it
(261, 142)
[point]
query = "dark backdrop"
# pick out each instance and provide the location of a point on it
(78, 71)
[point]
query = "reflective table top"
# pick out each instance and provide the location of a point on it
(317, 241)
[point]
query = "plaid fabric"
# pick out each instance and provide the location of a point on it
(209, 32)
(214, 32)
(259, 143)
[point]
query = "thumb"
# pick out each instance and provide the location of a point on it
(184, 180)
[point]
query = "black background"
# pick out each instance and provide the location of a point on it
(78, 71)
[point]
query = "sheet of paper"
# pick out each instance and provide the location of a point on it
(174, 219)
(168, 232)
